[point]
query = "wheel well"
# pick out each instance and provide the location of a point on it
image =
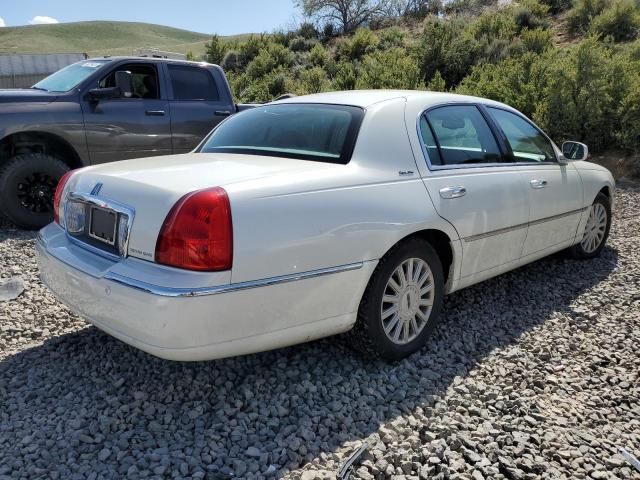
(441, 242)
(39, 142)
(606, 191)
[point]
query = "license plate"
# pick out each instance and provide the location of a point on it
(103, 224)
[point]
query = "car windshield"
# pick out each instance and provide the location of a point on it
(324, 133)
(69, 77)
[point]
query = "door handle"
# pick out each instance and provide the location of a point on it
(453, 192)
(222, 113)
(538, 183)
(155, 113)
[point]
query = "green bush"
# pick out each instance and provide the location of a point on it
(345, 77)
(301, 44)
(629, 113)
(557, 6)
(318, 56)
(269, 58)
(580, 16)
(447, 48)
(494, 25)
(392, 37)
(436, 84)
(537, 40)
(314, 80)
(362, 42)
(620, 21)
(390, 68)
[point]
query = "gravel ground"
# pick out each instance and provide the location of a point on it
(530, 375)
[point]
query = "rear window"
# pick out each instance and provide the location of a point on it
(324, 133)
(192, 83)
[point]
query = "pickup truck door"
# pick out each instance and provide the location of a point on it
(200, 99)
(122, 128)
(554, 189)
(473, 188)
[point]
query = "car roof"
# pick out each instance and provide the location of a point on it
(149, 59)
(367, 98)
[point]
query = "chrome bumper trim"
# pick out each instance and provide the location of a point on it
(232, 287)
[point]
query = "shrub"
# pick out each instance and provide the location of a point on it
(354, 48)
(231, 61)
(492, 25)
(301, 44)
(584, 93)
(314, 80)
(392, 37)
(345, 77)
(580, 16)
(447, 48)
(557, 6)
(318, 56)
(390, 68)
(436, 84)
(621, 21)
(537, 40)
(270, 58)
(629, 112)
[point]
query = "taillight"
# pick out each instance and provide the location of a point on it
(197, 233)
(58, 206)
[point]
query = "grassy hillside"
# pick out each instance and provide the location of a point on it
(99, 38)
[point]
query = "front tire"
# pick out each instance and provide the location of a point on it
(27, 185)
(596, 230)
(402, 303)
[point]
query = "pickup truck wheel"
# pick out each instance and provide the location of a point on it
(27, 185)
(596, 230)
(401, 305)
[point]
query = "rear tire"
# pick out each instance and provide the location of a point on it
(596, 230)
(400, 308)
(27, 185)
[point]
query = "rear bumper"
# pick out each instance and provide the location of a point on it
(213, 322)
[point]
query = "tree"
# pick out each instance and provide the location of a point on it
(348, 14)
(215, 50)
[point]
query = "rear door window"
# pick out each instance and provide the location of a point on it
(460, 135)
(192, 83)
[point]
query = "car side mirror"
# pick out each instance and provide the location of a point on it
(108, 93)
(125, 83)
(575, 151)
(123, 88)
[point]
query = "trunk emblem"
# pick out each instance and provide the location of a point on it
(96, 189)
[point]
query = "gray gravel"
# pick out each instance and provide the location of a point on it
(530, 375)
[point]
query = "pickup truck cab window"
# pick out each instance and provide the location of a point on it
(461, 136)
(528, 144)
(324, 133)
(192, 83)
(143, 76)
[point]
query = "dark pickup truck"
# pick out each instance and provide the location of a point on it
(101, 110)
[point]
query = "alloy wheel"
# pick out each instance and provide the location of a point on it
(595, 228)
(407, 301)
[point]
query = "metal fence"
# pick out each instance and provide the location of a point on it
(19, 71)
(21, 81)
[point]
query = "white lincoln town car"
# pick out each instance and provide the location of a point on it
(316, 215)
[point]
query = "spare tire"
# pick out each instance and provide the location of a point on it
(27, 185)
